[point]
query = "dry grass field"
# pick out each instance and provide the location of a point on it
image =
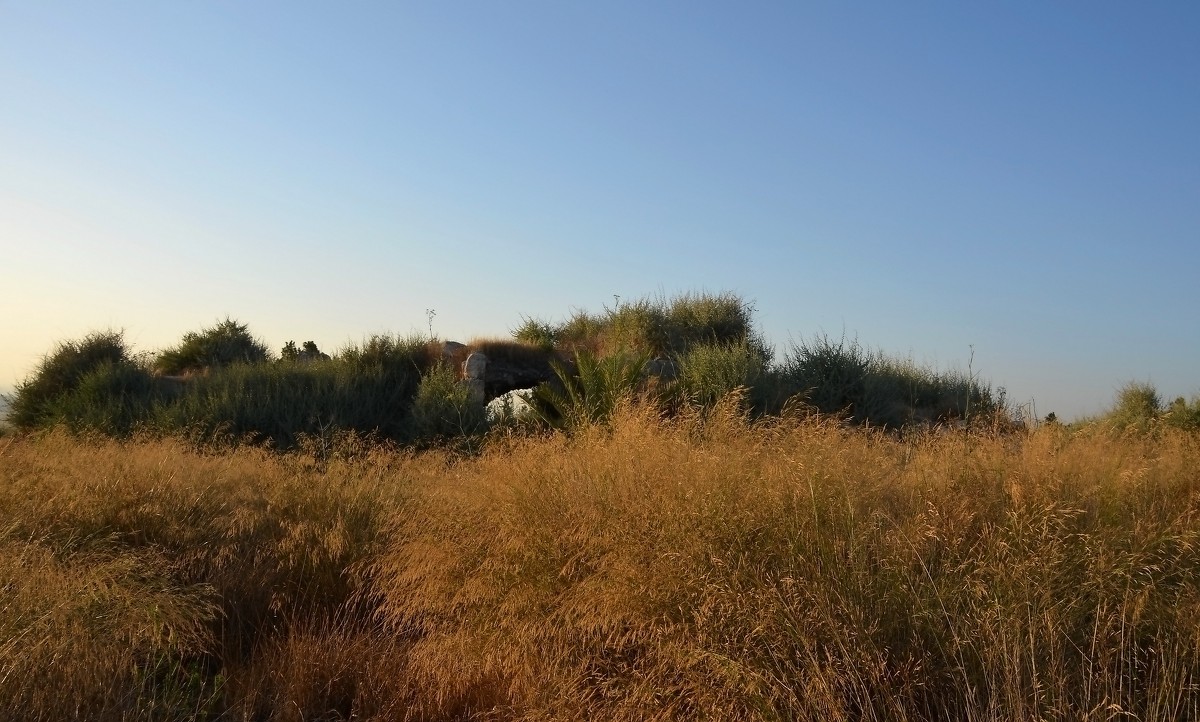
(702, 567)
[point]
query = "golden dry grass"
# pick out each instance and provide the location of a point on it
(698, 568)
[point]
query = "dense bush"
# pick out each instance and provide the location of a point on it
(841, 377)
(898, 392)
(704, 347)
(589, 390)
(1139, 407)
(368, 389)
(115, 399)
(535, 333)
(444, 408)
(226, 343)
(1183, 415)
(831, 376)
(657, 327)
(38, 400)
(308, 352)
(709, 372)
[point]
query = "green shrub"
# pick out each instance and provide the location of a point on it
(897, 392)
(114, 399)
(368, 390)
(638, 327)
(1183, 415)
(226, 343)
(443, 407)
(709, 372)
(658, 327)
(36, 400)
(290, 353)
(840, 377)
(590, 392)
(830, 375)
(581, 332)
(393, 354)
(1137, 407)
(721, 319)
(535, 333)
(281, 403)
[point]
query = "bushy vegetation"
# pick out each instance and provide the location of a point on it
(708, 373)
(842, 378)
(307, 353)
(691, 350)
(657, 327)
(100, 364)
(226, 343)
(444, 408)
(1181, 414)
(591, 389)
(114, 399)
(698, 566)
(95, 385)
(367, 390)
(1139, 407)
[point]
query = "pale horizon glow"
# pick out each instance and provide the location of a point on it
(1020, 180)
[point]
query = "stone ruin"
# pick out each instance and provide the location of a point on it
(504, 386)
(492, 377)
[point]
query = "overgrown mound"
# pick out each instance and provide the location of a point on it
(694, 350)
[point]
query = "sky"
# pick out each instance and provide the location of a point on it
(1009, 187)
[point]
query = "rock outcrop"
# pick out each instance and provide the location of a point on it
(513, 405)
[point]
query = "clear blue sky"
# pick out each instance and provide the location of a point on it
(1018, 177)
